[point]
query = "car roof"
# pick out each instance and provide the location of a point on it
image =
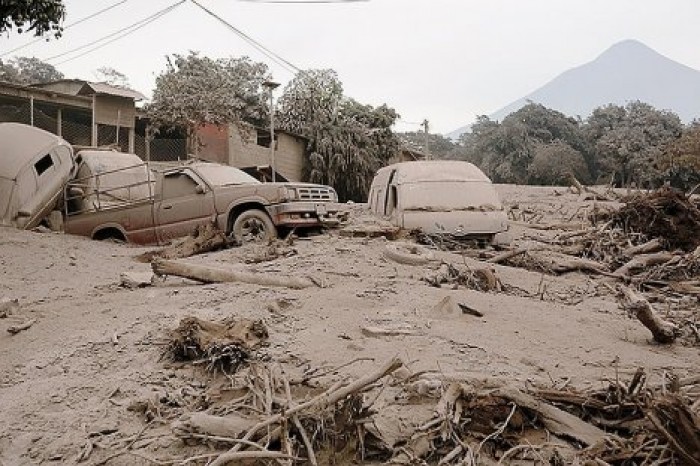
(435, 170)
(19, 144)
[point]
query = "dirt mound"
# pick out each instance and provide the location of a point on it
(665, 214)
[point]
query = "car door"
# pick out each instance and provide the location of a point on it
(185, 203)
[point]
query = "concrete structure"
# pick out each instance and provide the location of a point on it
(248, 148)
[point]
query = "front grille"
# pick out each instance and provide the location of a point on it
(315, 194)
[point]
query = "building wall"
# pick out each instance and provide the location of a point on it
(115, 111)
(214, 144)
(289, 152)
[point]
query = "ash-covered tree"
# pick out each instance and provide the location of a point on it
(33, 70)
(194, 91)
(629, 142)
(553, 163)
(680, 160)
(348, 141)
(28, 70)
(506, 150)
(109, 75)
(37, 16)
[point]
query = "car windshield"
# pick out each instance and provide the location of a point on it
(223, 175)
(450, 195)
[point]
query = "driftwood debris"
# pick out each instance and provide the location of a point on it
(481, 279)
(15, 329)
(408, 253)
(642, 261)
(322, 402)
(663, 331)
(8, 307)
(205, 238)
(665, 214)
(221, 346)
(206, 274)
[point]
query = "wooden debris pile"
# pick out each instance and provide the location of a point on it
(666, 214)
(220, 347)
(481, 279)
(274, 249)
(475, 423)
(205, 238)
(269, 421)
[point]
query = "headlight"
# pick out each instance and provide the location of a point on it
(291, 194)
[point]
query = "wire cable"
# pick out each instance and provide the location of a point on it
(123, 32)
(81, 20)
(269, 53)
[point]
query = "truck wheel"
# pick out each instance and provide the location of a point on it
(253, 226)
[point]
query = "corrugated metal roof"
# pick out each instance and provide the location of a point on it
(20, 143)
(107, 89)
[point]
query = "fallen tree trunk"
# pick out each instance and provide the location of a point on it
(215, 426)
(642, 261)
(507, 255)
(646, 248)
(663, 331)
(205, 274)
(557, 421)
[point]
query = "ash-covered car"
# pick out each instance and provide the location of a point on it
(447, 197)
(34, 167)
(117, 195)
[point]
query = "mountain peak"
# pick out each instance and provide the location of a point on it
(627, 71)
(629, 49)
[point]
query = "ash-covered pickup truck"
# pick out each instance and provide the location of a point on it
(116, 195)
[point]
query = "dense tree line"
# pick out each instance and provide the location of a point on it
(632, 144)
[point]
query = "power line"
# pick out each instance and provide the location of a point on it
(123, 32)
(269, 53)
(81, 20)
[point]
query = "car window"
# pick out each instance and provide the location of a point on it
(178, 184)
(224, 175)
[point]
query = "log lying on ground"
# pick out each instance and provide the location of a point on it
(663, 331)
(198, 423)
(14, 329)
(643, 260)
(205, 238)
(206, 274)
(645, 248)
(561, 263)
(408, 253)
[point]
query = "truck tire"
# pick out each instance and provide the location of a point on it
(253, 226)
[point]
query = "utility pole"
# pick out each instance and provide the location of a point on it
(426, 127)
(271, 86)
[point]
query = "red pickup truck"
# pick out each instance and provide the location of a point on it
(116, 195)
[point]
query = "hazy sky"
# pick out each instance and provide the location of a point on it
(445, 60)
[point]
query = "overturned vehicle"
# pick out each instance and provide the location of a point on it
(116, 195)
(35, 165)
(440, 197)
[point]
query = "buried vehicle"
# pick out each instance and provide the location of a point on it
(440, 197)
(34, 167)
(116, 195)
